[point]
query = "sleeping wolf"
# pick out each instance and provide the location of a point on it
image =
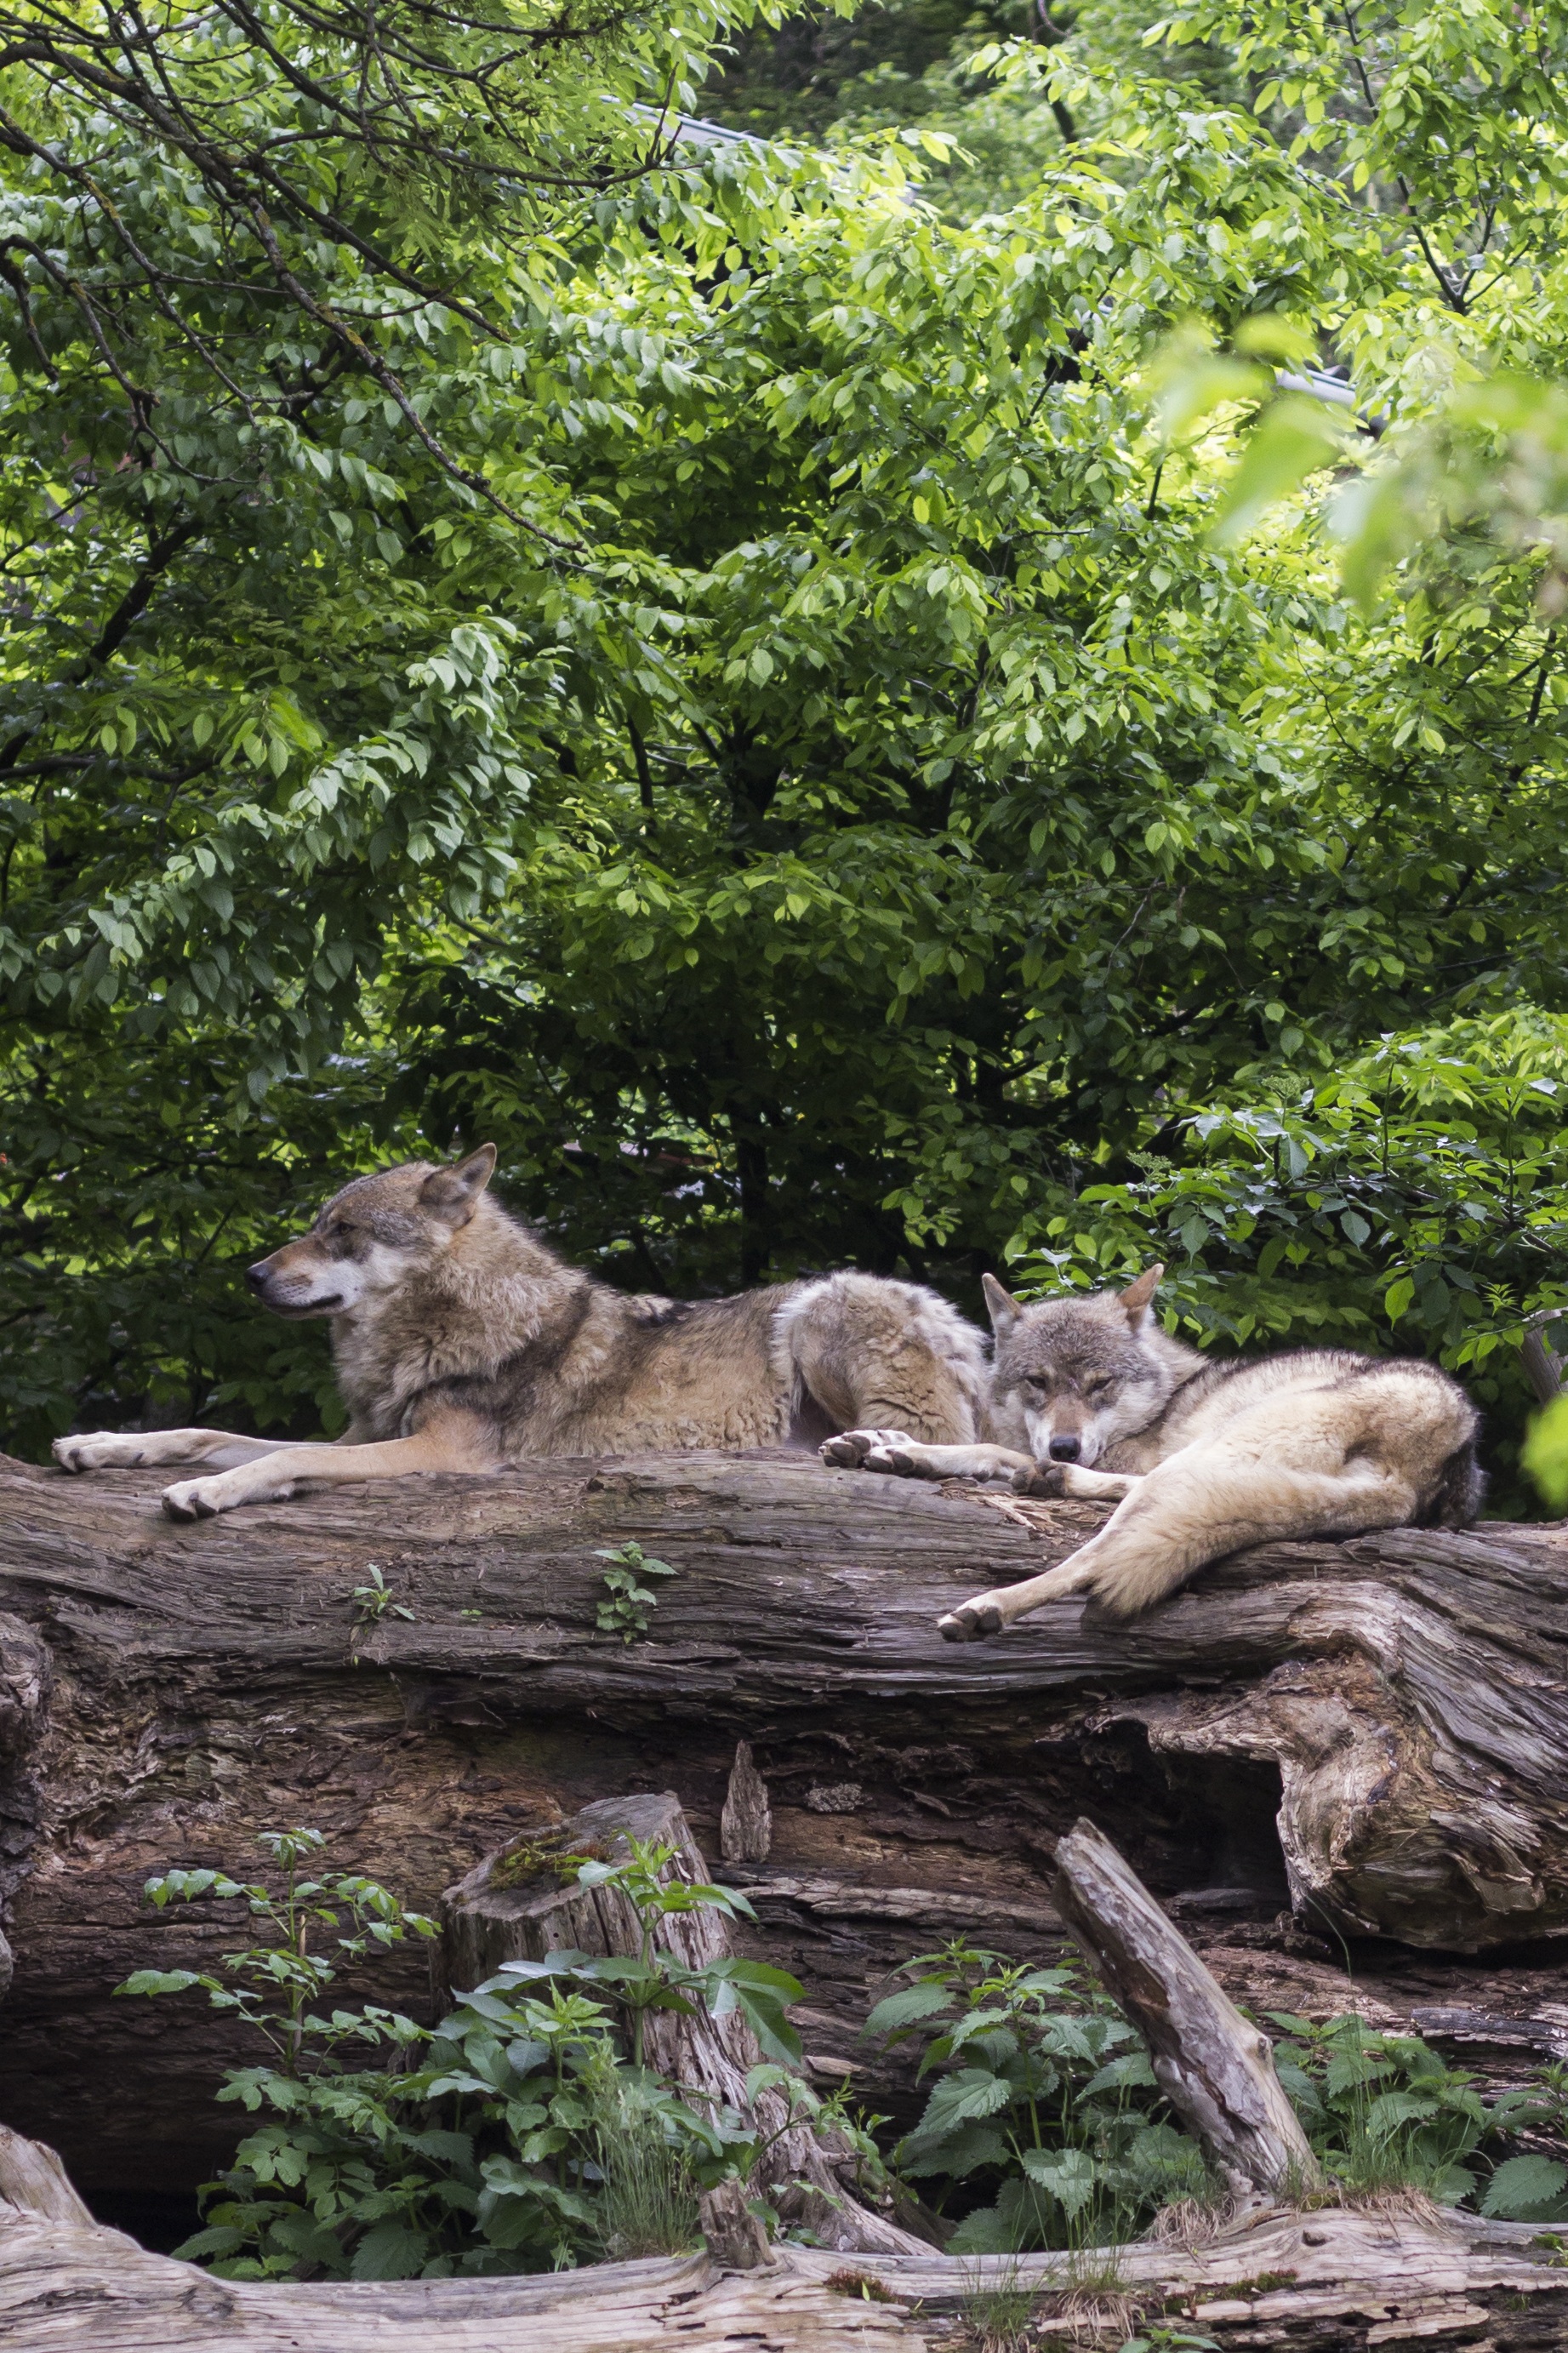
(1199, 1458)
(462, 1343)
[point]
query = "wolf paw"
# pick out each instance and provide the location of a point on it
(105, 1451)
(195, 1499)
(852, 1449)
(904, 1461)
(970, 1622)
(1042, 1479)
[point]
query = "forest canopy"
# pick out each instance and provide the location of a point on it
(746, 671)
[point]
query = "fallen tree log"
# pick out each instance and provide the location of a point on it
(1376, 1731)
(1334, 2281)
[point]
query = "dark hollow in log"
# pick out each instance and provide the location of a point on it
(1377, 1729)
(1216, 2071)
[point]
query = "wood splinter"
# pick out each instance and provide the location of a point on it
(746, 1824)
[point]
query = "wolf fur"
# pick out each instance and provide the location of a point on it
(462, 1343)
(1090, 1397)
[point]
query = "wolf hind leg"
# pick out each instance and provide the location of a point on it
(1192, 1509)
(886, 1358)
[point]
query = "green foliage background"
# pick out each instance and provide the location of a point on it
(703, 663)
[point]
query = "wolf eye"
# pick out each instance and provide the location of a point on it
(1099, 1388)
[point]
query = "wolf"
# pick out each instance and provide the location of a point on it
(1091, 1397)
(462, 1342)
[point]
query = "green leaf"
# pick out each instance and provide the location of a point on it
(1294, 438)
(392, 2250)
(1524, 2188)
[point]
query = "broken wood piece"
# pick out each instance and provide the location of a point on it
(1216, 2070)
(746, 1824)
(34, 2181)
(524, 1903)
(736, 2238)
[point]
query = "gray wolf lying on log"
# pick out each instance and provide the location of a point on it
(1200, 1459)
(462, 1343)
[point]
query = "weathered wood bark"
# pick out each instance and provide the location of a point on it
(1216, 2071)
(1377, 1730)
(1329, 2282)
(514, 1908)
(746, 1824)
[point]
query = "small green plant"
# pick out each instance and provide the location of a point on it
(1531, 2187)
(1044, 2099)
(1385, 2112)
(517, 2134)
(997, 2306)
(648, 2192)
(1382, 2111)
(373, 1600)
(626, 1611)
(653, 1979)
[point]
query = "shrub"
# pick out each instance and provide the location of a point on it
(1044, 2102)
(519, 2133)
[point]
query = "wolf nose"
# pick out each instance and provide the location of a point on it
(257, 1275)
(1065, 1450)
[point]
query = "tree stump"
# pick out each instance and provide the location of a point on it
(514, 1908)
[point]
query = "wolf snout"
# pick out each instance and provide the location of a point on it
(257, 1275)
(1065, 1450)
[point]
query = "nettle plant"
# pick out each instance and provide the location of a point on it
(1384, 2112)
(1044, 2102)
(521, 2132)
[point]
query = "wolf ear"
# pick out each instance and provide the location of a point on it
(1004, 1309)
(1137, 1295)
(453, 1192)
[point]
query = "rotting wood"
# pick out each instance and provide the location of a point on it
(513, 1907)
(1215, 2070)
(918, 1908)
(1408, 1689)
(746, 1824)
(1330, 2281)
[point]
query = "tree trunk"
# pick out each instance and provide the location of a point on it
(1377, 1732)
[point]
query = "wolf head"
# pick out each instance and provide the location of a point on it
(373, 1236)
(1085, 1372)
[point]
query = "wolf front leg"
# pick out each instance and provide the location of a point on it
(1197, 1507)
(138, 1450)
(904, 1457)
(453, 1443)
